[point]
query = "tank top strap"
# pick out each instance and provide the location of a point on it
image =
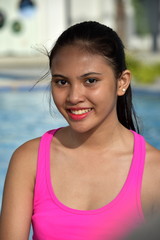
(42, 164)
(139, 157)
(138, 164)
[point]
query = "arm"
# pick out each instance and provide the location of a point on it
(17, 202)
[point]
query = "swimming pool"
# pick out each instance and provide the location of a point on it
(25, 115)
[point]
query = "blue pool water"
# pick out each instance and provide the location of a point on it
(25, 115)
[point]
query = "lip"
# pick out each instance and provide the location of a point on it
(78, 108)
(78, 116)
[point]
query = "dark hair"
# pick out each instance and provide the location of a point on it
(98, 38)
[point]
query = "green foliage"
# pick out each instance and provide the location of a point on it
(142, 72)
(141, 19)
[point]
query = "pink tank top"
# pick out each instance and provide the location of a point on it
(52, 220)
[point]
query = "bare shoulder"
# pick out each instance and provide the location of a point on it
(24, 159)
(27, 149)
(18, 192)
(153, 165)
(152, 156)
(151, 180)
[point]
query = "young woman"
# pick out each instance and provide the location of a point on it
(96, 178)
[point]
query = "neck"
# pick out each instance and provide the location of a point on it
(97, 139)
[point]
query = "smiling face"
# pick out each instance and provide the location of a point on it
(84, 89)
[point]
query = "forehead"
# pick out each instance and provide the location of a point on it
(73, 61)
(74, 57)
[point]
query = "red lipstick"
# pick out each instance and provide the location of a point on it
(78, 116)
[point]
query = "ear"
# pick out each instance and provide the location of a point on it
(123, 82)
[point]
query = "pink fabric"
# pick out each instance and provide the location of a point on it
(53, 220)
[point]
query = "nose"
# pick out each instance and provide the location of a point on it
(75, 94)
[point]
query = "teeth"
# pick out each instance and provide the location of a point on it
(78, 112)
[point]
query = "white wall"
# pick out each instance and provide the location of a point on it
(51, 19)
(42, 28)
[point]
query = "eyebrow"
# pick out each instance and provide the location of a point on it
(58, 75)
(90, 73)
(84, 75)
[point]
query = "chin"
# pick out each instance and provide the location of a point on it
(81, 128)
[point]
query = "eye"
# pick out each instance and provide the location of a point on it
(91, 81)
(61, 82)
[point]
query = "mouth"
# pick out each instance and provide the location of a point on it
(78, 114)
(80, 111)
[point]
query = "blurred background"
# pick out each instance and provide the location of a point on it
(28, 27)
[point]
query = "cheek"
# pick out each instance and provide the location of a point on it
(59, 98)
(104, 93)
(55, 97)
